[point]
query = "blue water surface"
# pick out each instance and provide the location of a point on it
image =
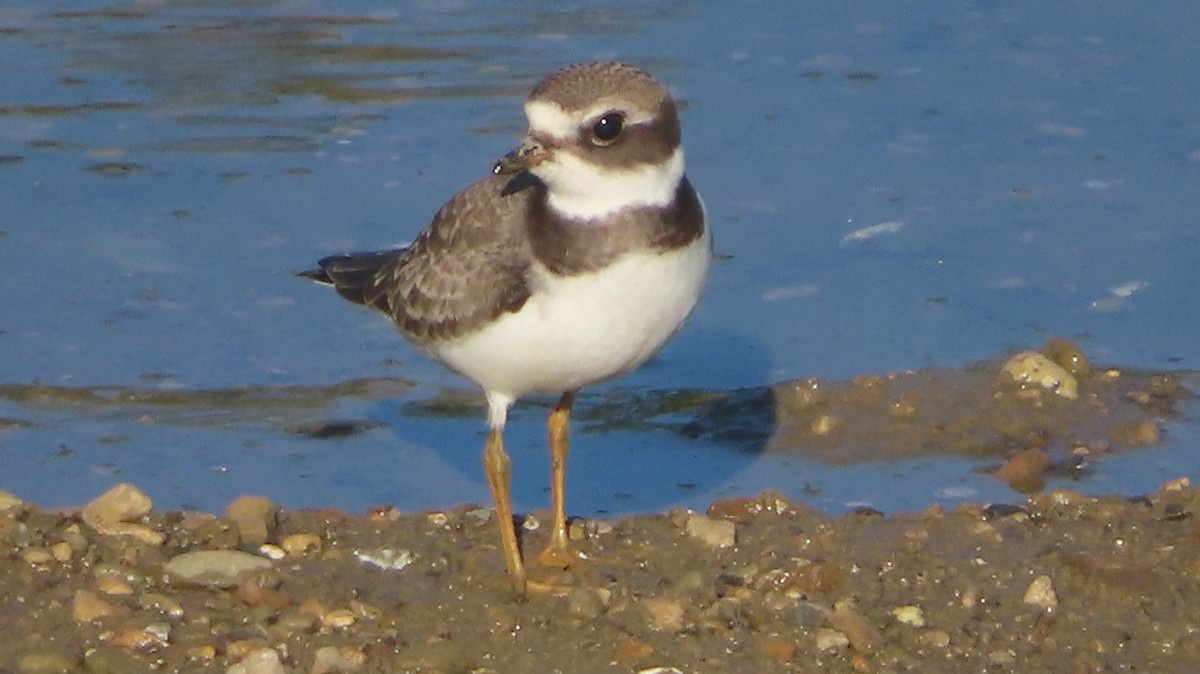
(891, 186)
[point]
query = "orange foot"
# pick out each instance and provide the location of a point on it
(564, 565)
(560, 556)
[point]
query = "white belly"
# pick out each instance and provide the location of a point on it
(575, 331)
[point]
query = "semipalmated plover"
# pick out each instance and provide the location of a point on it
(572, 264)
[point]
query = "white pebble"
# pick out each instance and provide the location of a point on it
(388, 559)
(828, 640)
(262, 661)
(1041, 594)
(714, 533)
(909, 615)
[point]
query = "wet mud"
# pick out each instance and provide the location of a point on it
(1059, 582)
(1053, 582)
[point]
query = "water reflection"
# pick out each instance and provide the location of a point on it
(683, 444)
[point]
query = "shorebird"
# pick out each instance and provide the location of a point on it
(571, 264)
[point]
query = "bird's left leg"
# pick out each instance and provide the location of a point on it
(559, 552)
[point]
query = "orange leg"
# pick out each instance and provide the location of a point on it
(559, 553)
(496, 465)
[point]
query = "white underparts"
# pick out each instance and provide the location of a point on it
(578, 330)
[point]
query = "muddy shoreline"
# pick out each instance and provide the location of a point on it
(1055, 582)
(1058, 582)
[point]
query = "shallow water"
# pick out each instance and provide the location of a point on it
(889, 189)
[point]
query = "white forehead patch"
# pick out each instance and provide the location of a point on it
(550, 119)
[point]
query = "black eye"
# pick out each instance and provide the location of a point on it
(607, 128)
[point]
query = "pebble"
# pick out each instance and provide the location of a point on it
(1031, 367)
(161, 603)
(192, 520)
(313, 607)
(113, 585)
(201, 652)
(909, 615)
(141, 532)
(478, 516)
(301, 544)
(1176, 484)
(123, 502)
(679, 517)
(1137, 433)
(87, 606)
(45, 663)
(580, 529)
(74, 537)
(331, 659)
(741, 508)
(937, 638)
(139, 639)
(1067, 354)
(8, 500)
(388, 559)
(365, 610)
(1026, 470)
(254, 517)
(830, 639)
(385, 513)
(218, 533)
(713, 533)
(62, 551)
(825, 424)
(1041, 594)
(1064, 497)
(213, 568)
(338, 619)
(272, 551)
(1001, 657)
(811, 578)
(241, 649)
(863, 636)
(295, 621)
(36, 556)
(666, 614)
(261, 661)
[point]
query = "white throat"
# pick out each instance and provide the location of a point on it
(580, 190)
